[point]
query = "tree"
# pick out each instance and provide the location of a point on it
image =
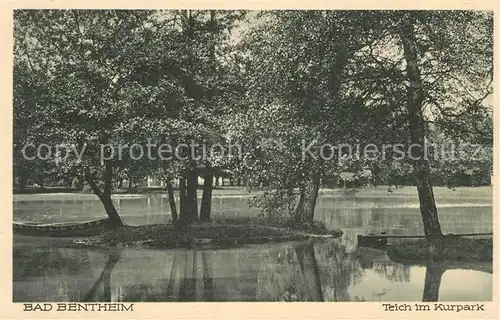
(188, 59)
(421, 53)
(301, 66)
(432, 228)
(27, 94)
(84, 58)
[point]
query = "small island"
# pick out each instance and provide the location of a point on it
(216, 234)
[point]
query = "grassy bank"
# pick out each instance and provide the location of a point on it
(210, 234)
(452, 248)
(380, 191)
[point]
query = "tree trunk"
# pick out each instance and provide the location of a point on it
(182, 200)
(311, 198)
(113, 215)
(188, 197)
(23, 180)
(208, 174)
(432, 228)
(79, 184)
(191, 195)
(130, 185)
(216, 181)
(289, 194)
(206, 199)
(105, 195)
(304, 212)
(171, 201)
(300, 205)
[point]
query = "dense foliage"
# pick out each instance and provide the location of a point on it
(271, 82)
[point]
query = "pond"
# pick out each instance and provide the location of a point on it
(326, 270)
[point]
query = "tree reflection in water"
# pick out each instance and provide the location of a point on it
(187, 291)
(208, 281)
(50, 274)
(47, 262)
(104, 279)
(393, 271)
(321, 270)
(339, 269)
(190, 279)
(325, 272)
(310, 272)
(434, 273)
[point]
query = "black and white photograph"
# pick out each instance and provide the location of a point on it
(189, 155)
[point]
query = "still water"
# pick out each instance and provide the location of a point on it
(327, 270)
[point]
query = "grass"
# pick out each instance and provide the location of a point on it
(452, 248)
(213, 234)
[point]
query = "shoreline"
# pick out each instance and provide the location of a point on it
(241, 192)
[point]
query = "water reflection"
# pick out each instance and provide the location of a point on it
(433, 275)
(339, 268)
(310, 272)
(306, 271)
(53, 274)
(353, 214)
(104, 279)
(327, 270)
